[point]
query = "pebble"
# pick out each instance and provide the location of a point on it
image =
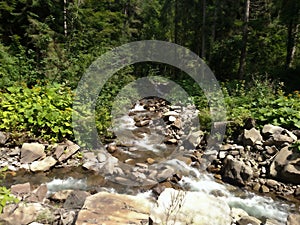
(150, 161)
(264, 189)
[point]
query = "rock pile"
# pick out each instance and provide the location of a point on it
(38, 157)
(262, 161)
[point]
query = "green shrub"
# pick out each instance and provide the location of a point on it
(44, 111)
(264, 101)
(5, 195)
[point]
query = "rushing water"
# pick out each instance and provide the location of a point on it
(151, 142)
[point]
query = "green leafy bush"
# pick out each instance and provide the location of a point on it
(264, 101)
(5, 195)
(44, 111)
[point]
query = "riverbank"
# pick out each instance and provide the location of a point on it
(158, 146)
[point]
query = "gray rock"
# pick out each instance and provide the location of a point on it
(270, 129)
(280, 139)
(23, 213)
(195, 138)
(101, 157)
(293, 219)
(237, 214)
(272, 183)
(31, 152)
(90, 156)
(271, 150)
(297, 133)
(39, 194)
(69, 151)
(272, 222)
(68, 218)
(285, 166)
(264, 189)
(108, 208)
(252, 137)
(43, 165)
(3, 138)
(277, 135)
(21, 190)
(246, 220)
(142, 123)
(297, 192)
(236, 172)
(76, 199)
(61, 195)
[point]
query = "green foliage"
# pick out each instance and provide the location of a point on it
(5, 195)
(296, 145)
(263, 101)
(45, 111)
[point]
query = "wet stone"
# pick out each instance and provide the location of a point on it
(130, 162)
(271, 150)
(150, 161)
(264, 189)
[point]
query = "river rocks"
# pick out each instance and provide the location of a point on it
(236, 171)
(3, 137)
(246, 220)
(293, 219)
(43, 165)
(23, 213)
(189, 208)
(75, 199)
(39, 194)
(285, 166)
(21, 190)
(61, 195)
(270, 130)
(252, 137)
(31, 152)
(114, 209)
(64, 152)
(195, 138)
(278, 136)
(237, 214)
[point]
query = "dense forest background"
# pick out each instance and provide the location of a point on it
(252, 46)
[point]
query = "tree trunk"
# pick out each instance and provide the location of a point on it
(291, 43)
(214, 27)
(243, 55)
(176, 22)
(65, 19)
(203, 47)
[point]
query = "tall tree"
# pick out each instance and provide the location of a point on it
(290, 15)
(243, 55)
(203, 46)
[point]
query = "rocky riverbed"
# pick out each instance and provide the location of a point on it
(158, 170)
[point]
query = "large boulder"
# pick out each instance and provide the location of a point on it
(76, 199)
(286, 166)
(278, 136)
(180, 208)
(246, 220)
(23, 213)
(65, 151)
(114, 209)
(252, 137)
(31, 152)
(293, 219)
(43, 165)
(236, 172)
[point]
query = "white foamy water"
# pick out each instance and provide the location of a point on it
(66, 184)
(255, 205)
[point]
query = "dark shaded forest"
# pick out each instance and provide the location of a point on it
(252, 46)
